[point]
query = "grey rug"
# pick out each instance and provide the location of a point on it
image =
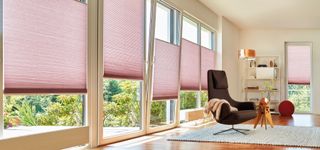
(279, 135)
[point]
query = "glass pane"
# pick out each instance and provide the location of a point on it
(122, 107)
(190, 30)
(188, 100)
(300, 96)
(206, 38)
(299, 75)
(24, 115)
(162, 113)
(162, 23)
(204, 98)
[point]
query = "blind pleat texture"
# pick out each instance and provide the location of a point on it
(123, 39)
(166, 71)
(299, 65)
(207, 63)
(45, 46)
(190, 65)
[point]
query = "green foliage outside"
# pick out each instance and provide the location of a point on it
(121, 107)
(204, 98)
(51, 110)
(121, 103)
(300, 96)
(188, 100)
(158, 113)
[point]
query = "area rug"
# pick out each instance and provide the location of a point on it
(279, 135)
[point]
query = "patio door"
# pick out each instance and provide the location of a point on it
(299, 75)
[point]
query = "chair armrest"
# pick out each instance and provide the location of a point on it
(246, 106)
(225, 111)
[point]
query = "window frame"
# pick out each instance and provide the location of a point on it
(213, 40)
(212, 34)
(286, 95)
(56, 139)
(175, 38)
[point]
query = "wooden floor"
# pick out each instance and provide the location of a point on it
(158, 141)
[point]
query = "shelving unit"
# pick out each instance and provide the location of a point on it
(264, 81)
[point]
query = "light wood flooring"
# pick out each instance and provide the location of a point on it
(157, 141)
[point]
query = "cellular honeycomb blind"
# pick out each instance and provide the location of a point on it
(207, 63)
(123, 39)
(166, 71)
(45, 44)
(190, 65)
(299, 65)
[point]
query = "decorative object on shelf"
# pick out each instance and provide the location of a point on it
(262, 65)
(286, 108)
(268, 87)
(264, 114)
(247, 54)
(275, 65)
(253, 87)
(271, 63)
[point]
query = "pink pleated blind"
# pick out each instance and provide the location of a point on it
(123, 39)
(299, 66)
(45, 44)
(207, 63)
(166, 71)
(190, 65)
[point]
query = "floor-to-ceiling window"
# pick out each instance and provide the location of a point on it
(198, 46)
(166, 66)
(44, 71)
(298, 60)
(123, 68)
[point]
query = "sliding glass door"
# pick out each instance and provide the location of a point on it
(298, 60)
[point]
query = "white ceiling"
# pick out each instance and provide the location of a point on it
(271, 14)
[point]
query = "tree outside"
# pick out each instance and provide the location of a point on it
(188, 100)
(122, 107)
(300, 96)
(122, 100)
(50, 110)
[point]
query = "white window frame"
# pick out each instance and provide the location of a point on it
(200, 24)
(56, 139)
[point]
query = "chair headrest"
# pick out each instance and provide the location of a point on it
(220, 79)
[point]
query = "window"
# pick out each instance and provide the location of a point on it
(195, 73)
(206, 38)
(166, 67)
(48, 61)
(162, 113)
(299, 75)
(163, 23)
(188, 99)
(121, 107)
(33, 114)
(167, 24)
(190, 30)
(204, 98)
(123, 58)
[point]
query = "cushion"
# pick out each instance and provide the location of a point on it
(237, 117)
(220, 80)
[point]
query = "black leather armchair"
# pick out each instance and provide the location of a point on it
(218, 88)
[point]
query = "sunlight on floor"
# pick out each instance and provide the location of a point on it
(136, 141)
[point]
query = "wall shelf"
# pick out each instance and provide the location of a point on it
(250, 78)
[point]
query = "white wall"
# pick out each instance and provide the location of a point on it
(230, 35)
(271, 42)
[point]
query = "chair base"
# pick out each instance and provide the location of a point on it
(233, 129)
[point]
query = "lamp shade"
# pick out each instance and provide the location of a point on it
(247, 54)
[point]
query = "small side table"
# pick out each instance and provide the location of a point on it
(264, 114)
